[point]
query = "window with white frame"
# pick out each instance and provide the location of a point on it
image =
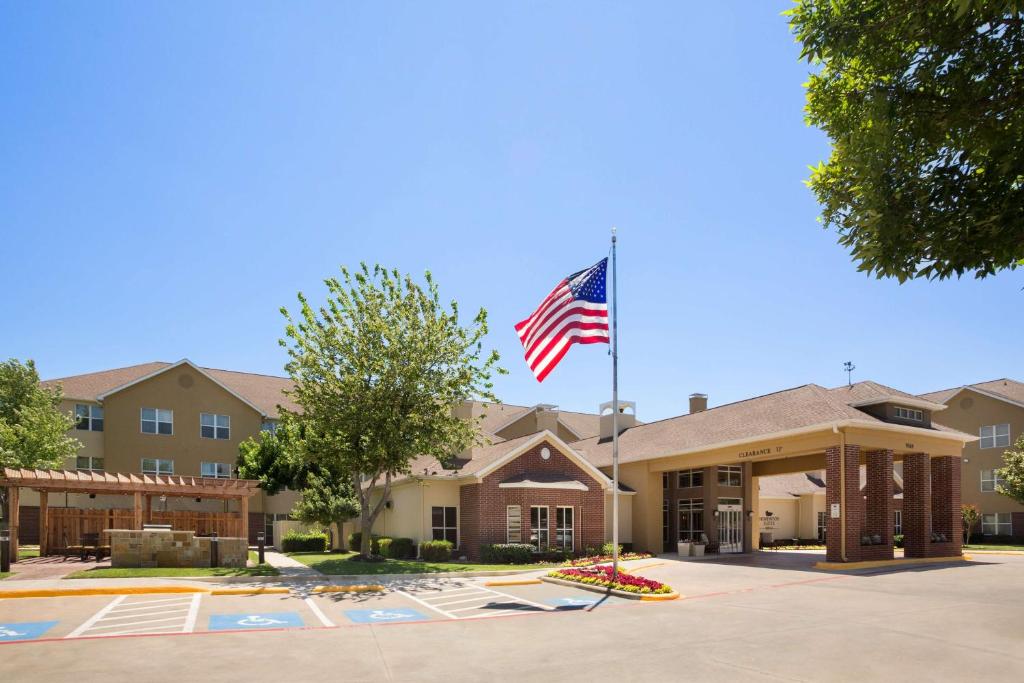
(216, 470)
(822, 525)
(213, 426)
(564, 528)
(89, 462)
(444, 524)
(897, 522)
(994, 436)
(88, 417)
(539, 530)
(157, 466)
(691, 519)
(690, 478)
(513, 524)
(997, 524)
(990, 480)
(157, 421)
(909, 414)
(730, 475)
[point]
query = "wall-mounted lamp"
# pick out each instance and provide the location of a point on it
(715, 513)
(750, 514)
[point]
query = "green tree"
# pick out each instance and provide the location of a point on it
(326, 499)
(272, 458)
(924, 103)
(377, 371)
(33, 430)
(1012, 472)
(969, 515)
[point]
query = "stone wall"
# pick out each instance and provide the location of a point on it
(166, 548)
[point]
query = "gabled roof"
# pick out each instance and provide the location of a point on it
(871, 393)
(499, 416)
(801, 408)
(802, 483)
(263, 393)
(1005, 389)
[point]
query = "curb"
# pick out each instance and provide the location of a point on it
(647, 597)
(135, 590)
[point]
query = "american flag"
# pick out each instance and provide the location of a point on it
(575, 312)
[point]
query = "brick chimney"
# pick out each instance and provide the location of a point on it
(626, 419)
(698, 403)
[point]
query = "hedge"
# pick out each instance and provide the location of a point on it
(436, 551)
(355, 542)
(298, 542)
(507, 553)
(397, 548)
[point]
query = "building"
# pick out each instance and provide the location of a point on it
(696, 475)
(167, 419)
(994, 411)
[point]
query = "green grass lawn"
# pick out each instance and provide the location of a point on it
(993, 546)
(175, 572)
(342, 564)
(4, 575)
(25, 552)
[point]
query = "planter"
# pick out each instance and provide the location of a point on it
(698, 550)
(683, 547)
(674, 595)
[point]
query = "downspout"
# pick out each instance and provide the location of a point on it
(842, 490)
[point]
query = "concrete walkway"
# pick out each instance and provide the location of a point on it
(289, 568)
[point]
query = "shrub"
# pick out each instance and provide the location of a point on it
(609, 549)
(897, 541)
(507, 553)
(397, 548)
(436, 551)
(601, 575)
(298, 542)
(355, 542)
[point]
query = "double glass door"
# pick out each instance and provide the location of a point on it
(730, 528)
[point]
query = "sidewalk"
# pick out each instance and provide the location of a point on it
(289, 568)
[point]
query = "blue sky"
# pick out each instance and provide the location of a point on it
(173, 173)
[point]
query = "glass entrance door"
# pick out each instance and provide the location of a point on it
(730, 528)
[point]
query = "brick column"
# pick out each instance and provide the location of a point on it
(917, 505)
(878, 516)
(946, 516)
(854, 512)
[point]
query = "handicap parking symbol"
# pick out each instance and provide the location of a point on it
(228, 622)
(383, 616)
(26, 630)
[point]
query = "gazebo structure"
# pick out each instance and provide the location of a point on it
(62, 527)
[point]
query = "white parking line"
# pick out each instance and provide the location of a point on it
(120, 616)
(455, 602)
(319, 614)
(100, 627)
(440, 602)
(426, 604)
(96, 617)
(193, 612)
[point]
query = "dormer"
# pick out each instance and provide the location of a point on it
(902, 410)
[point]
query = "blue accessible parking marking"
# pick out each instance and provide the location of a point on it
(230, 622)
(26, 630)
(383, 616)
(583, 603)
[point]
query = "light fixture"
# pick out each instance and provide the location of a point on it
(750, 514)
(715, 513)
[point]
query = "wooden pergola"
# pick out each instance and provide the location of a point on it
(141, 486)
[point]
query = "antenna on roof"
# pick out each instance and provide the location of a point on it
(849, 367)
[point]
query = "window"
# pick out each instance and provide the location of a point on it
(157, 421)
(514, 524)
(909, 414)
(997, 524)
(995, 436)
(664, 522)
(157, 466)
(444, 524)
(89, 417)
(822, 525)
(539, 527)
(216, 470)
(730, 475)
(89, 462)
(214, 426)
(269, 426)
(563, 528)
(688, 478)
(990, 480)
(897, 523)
(691, 519)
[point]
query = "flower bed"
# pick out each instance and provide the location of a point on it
(601, 575)
(597, 559)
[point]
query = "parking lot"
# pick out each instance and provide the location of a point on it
(767, 619)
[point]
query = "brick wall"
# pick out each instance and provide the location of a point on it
(878, 517)
(854, 502)
(917, 507)
(484, 505)
(946, 514)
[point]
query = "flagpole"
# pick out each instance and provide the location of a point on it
(615, 416)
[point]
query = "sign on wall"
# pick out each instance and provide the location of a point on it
(835, 510)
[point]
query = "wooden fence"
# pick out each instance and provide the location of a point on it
(65, 526)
